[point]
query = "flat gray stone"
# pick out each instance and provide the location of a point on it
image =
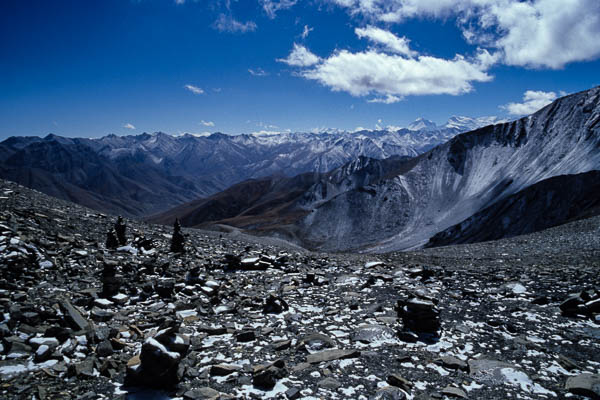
(452, 363)
(223, 369)
(203, 393)
(399, 381)
(452, 391)
(329, 383)
(584, 385)
(488, 371)
(73, 316)
(373, 333)
(316, 341)
(330, 355)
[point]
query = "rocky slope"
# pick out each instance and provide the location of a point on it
(457, 179)
(231, 318)
(146, 174)
(266, 202)
(376, 206)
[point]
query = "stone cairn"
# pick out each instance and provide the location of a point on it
(111, 281)
(420, 318)
(177, 241)
(120, 229)
(158, 363)
(275, 305)
(111, 240)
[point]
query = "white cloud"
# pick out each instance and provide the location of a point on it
(532, 102)
(194, 89)
(179, 1)
(258, 72)
(325, 130)
(300, 57)
(390, 41)
(129, 126)
(548, 33)
(226, 23)
(372, 72)
(306, 31)
(271, 7)
(207, 123)
(388, 99)
(531, 33)
(393, 72)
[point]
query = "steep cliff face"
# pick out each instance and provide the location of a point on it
(455, 180)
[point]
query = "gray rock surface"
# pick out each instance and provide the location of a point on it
(584, 384)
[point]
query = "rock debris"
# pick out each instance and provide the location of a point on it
(233, 317)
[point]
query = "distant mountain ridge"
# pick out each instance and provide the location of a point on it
(491, 175)
(148, 173)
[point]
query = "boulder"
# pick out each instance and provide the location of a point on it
(159, 360)
(266, 376)
(330, 355)
(584, 385)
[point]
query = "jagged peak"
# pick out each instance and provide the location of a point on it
(421, 124)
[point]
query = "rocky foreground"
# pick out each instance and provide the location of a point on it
(237, 318)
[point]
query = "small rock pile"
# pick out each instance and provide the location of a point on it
(158, 363)
(419, 316)
(585, 303)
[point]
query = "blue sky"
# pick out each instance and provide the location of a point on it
(90, 68)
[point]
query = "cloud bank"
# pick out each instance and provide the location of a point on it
(530, 33)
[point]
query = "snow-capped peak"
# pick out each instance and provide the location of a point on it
(467, 123)
(422, 124)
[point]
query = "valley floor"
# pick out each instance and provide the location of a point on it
(330, 330)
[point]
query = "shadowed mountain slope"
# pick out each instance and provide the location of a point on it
(543, 205)
(72, 170)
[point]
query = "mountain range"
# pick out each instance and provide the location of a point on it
(496, 181)
(367, 191)
(146, 174)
